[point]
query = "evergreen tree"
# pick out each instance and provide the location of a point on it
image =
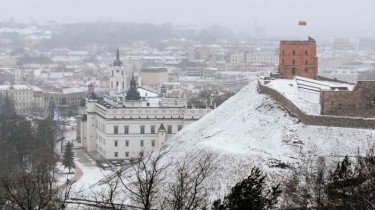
(251, 193)
(7, 109)
(68, 158)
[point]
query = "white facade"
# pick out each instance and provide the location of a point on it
(118, 78)
(263, 57)
(125, 127)
(27, 99)
(112, 132)
(309, 89)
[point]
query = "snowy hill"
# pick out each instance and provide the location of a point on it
(250, 129)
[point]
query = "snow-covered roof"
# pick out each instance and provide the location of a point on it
(74, 90)
(317, 85)
(16, 87)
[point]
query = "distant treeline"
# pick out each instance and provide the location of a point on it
(111, 35)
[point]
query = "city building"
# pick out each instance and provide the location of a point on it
(27, 99)
(124, 128)
(154, 76)
(298, 58)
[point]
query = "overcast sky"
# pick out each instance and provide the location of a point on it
(335, 18)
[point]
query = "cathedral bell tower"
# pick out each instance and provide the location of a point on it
(118, 78)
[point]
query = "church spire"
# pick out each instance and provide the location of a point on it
(133, 93)
(117, 62)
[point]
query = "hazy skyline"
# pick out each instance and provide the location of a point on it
(331, 18)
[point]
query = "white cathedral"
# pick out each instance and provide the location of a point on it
(127, 123)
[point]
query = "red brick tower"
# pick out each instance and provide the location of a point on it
(298, 58)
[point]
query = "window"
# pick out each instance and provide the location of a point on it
(126, 154)
(169, 129)
(126, 143)
(307, 62)
(153, 143)
(294, 62)
(306, 70)
(283, 52)
(142, 129)
(116, 143)
(293, 71)
(283, 61)
(115, 129)
(152, 129)
(306, 52)
(294, 52)
(126, 129)
(179, 127)
(142, 143)
(116, 154)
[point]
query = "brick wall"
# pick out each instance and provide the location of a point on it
(319, 120)
(298, 58)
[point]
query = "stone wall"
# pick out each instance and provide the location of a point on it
(360, 102)
(319, 120)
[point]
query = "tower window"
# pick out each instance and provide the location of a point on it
(293, 71)
(283, 61)
(294, 62)
(169, 129)
(294, 52)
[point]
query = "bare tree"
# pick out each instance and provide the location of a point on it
(142, 184)
(30, 191)
(187, 190)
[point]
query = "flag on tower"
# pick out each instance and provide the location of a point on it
(302, 22)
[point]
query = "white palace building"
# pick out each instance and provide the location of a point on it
(125, 124)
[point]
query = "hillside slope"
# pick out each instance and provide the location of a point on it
(250, 129)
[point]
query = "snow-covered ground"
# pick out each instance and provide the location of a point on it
(288, 87)
(250, 129)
